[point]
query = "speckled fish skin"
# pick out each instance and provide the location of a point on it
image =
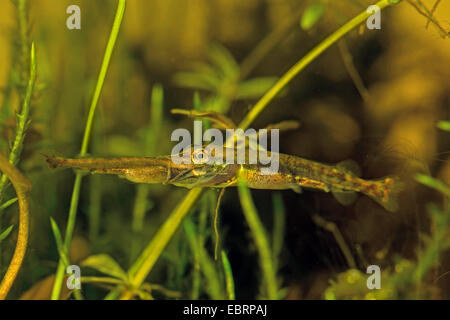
(297, 172)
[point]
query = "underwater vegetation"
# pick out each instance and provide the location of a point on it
(363, 114)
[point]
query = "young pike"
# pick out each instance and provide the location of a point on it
(293, 173)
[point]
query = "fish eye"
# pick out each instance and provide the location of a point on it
(200, 156)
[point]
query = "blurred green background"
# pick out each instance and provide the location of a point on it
(375, 98)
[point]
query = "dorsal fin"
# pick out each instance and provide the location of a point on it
(350, 165)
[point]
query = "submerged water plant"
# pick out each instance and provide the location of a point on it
(182, 247)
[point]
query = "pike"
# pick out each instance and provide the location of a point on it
(294, 173)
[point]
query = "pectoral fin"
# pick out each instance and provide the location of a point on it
(204, 177)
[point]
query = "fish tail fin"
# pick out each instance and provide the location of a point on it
(387, 191)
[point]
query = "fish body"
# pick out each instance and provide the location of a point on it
(293, 173)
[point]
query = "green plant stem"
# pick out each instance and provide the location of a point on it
(261, 240)
(279, 216)
(95, 190)
(194, 243)
(141, 203)
(84, 146)
(145, 262)
(269, 42)
(22, 118)
(140, 207)
(229, 280)
(139, 271)
(22, 17)
(202, 221)
(206, 264)
(95, 198)
(22, 124)
(102, 75)
(24, 69)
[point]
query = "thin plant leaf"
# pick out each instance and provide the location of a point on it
(59, 242)
(207, 266)
(224, 60)
(105, 264)
(443, 125)
(157, 105)
(205, 68)
(229, 280)
(6, 233)
(197, 101)
(194, 80)
(312, 15)
(433, 183)
(8, 203)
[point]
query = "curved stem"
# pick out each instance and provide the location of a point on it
(20, 183)
(22, 187)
